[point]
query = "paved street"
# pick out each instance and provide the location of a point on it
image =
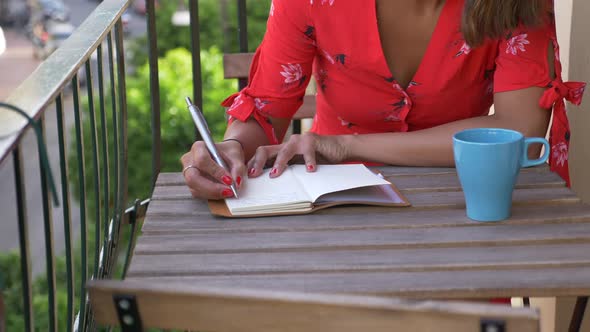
(15, 65)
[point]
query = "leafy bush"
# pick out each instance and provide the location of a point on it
(10, 284)
(215, 29)
(177, 129)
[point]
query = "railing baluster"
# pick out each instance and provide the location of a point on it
(196, 53)
(242, 35)
(82, 192)
(122, 127)
(95, 163)
(48, 228)
(108, 250)
(23, 234)
(154, 89)
(133, 221)
(104, 152)
(67, 219)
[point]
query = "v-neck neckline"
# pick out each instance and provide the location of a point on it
(383, 60)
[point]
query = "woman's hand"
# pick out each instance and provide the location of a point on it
(308, 148)
(208, 180)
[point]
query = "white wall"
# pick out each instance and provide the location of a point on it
(573, 34)
(563, 13)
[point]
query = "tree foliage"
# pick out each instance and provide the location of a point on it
(215, 29)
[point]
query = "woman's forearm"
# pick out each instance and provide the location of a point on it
(428, 147)
(249, 133)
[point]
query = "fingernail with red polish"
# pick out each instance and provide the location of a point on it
(251, 171)
(239, 180)
(273, 171)
(227, 180)
(227, 193)
(310, 168)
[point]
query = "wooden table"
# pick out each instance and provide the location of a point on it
(430, 250)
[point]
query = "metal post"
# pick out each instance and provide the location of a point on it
(154, 90)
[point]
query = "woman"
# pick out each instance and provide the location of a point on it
(396, 79)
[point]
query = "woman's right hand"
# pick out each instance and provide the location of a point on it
(205, 178)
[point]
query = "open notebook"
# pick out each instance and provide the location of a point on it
(297, 191)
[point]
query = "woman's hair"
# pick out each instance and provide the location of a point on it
(493, 18)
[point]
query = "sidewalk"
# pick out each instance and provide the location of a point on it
(17, 62)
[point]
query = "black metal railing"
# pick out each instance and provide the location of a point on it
(53, 90)
(88, 131)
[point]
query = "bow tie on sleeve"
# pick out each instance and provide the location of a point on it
(570, 91)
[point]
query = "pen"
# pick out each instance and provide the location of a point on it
(203, 128)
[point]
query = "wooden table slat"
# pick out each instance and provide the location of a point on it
(432, 284)
(478, 258)
(172, 186)
(176, 178)
(503, 234)
(348, 218)
(419, 199)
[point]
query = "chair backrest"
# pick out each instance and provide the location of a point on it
(237, 65)
(138, 305)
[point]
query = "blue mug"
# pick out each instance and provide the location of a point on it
(488, 161)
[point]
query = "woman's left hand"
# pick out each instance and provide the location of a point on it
(309, 148)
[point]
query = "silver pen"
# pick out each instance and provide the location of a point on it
(203, 128)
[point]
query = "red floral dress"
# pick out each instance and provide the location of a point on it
(338, 42)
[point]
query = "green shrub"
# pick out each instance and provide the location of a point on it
(215, 29)
(11, 287)
(177, 129)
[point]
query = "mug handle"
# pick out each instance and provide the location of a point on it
(528, 162)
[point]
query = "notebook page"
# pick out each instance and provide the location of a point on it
(263, 193)
(332, 178)
(383, 194)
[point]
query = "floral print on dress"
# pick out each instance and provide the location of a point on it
(577, 93)
(327, 56)
(465, 49)
(560, 153)
(331, 2)
(333, 59)
(293, 73)
(321, 77)
(310, 32)
(259, 103)
(392, 117)
(237, 102)
(340, 58)
(400, 104)
(517, 44)
(345, 123)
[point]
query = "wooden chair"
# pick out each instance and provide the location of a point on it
(237, 66)
(138, 305)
